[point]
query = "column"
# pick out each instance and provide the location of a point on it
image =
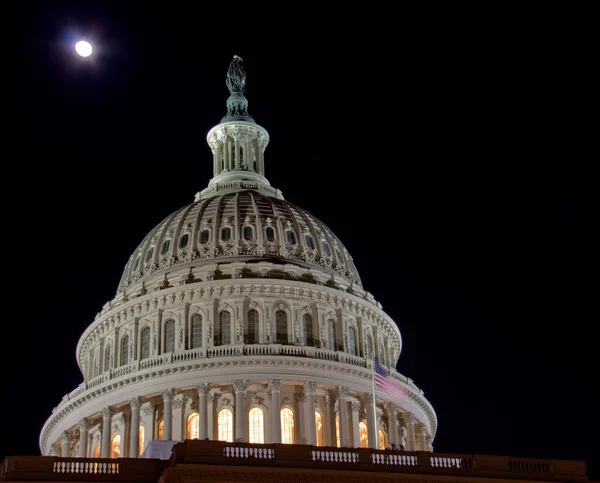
(167, 396)
(239, 387)
(343, 410)
(393, 423)
(210, 414)
(226, 154)
(178, 431)
(311, 429)
(355, 422)
(83, 438)
(202, 393)
(329, 421)
(275, 386)
(429, 441)
(421, 443)
(134, 432)
(411, 444)
(248, 155)
(64, 444)
(300, 436)
(236, 157)
(371, 421)
(105, 444)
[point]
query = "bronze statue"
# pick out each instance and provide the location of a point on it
(236, 76)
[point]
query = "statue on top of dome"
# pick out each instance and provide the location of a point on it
(236, 76)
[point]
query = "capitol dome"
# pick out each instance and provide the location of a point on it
(240, 317)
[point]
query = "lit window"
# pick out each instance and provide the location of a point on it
(352, 341)
(308, 329)
(338, 439)
(287, 426)
(256, 421)
(309, 241)
(225, 425)
(165, 247)
(125, 350)
(326, 249)
(226, 234)
(193, 426)
(183, 241)
(382, 439)
(141, 440)
(252, 333)
(248, 233)
(145, 343)
(363, 434)
(160, 430)
(319, 428)
(290, 237)
(196, 328)
(169, 336)
(225, 327)
(281, 326)
(270, 234)
(149, 254)
(204, 236)
(116, 446)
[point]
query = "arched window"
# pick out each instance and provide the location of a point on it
(225, 425)
(107, 357)
(331, 334)
(290, 237)
(193, 426)
(287, 426)
(165, 247)
(270, 233)
(125, 350)
(169, 336)
(196, 331)
(319, 428)
(115, 446)
(363, 434)
(326, 250)
(338, 438)
(307, 322)
(96, 451)
(149, 254)
(204, 236)
(183, 241)
(351, 341)
(141, 440)
(382, 439)
(248, 233)
(252, 332)
(281, 327)
(225, 327)
(225, 233)
(310, 244)
(369, 347)
(145, 343)
(160, 429)
(256, 428)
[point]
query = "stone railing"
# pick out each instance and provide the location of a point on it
(365, 460)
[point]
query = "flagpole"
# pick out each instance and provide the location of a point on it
(375, 429)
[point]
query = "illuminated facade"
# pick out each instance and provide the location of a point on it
(240, 317)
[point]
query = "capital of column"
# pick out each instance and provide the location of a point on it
(84, 424)
(342, 392)
(310, 387)
(330, 401)
(391, 408)
(275, 384)
(65, 436)
(168, 395)
(135, 402)
(355, 407)
(107, 412)
(421, 428)
(124, 418)
(429, 439)
(203, 388)
(239, 385)
(409, 418)
(369, 398)
(301, 397)
(178, 401)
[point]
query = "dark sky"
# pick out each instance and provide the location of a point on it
(444, 147)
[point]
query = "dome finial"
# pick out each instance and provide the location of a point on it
(237, 104)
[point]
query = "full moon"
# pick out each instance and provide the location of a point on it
(83, 48)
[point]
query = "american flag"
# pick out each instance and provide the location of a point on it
(386, 381)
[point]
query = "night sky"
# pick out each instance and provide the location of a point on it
(444, 147)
